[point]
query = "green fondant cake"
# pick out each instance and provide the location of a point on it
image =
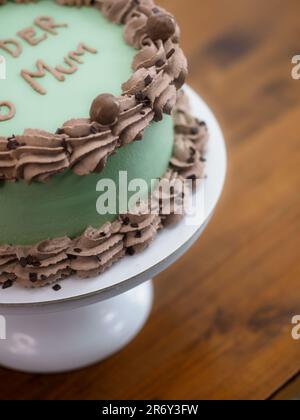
(87, 88)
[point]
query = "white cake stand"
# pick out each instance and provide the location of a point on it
(89, 320)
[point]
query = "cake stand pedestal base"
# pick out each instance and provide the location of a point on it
(72, 339)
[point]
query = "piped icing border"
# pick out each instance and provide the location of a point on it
(84, 145)
(96, 250)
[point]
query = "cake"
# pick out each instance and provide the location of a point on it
(92, 89)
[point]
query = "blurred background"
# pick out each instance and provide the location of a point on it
(221, 325)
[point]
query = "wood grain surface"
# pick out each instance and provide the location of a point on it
(221, 324)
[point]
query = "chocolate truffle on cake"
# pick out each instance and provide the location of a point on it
(105, 109)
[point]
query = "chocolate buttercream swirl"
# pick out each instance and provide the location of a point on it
(191, 138)
(164, 56)
(135, 32)
(140, 231)
(152, 54)
(153, 88)
(39, 155)
(171, 197)
(89, 145)
(177, 67)
(116, 10)
(148, 21)
(186, 158)
(8, 262)
(134, 119)
(97, 249)
(188, 127)
(44, 263)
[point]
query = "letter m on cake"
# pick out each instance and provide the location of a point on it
(41, 69)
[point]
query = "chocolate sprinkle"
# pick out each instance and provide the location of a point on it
(33, 277)
(148, 80)
(7, 284)
(130, 251)
(170, 53)
(23, 262)
(194, 131)
(160, 63)
(12, 144)
(33, 261)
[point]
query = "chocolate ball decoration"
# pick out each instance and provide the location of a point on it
(105, 109)
(161, 26)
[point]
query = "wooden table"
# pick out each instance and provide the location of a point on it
(221, 325)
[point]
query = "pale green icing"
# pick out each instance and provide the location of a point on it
(101, 73)
(66, 204)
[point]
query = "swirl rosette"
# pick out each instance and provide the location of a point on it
(152, 88)
(39, 155)
(116, 10)
(171, 197)
(97, 250)
(44, 263)
(133, 120)
(186, 159)
(7, 161)
(8, 262)
(190, 145)
(89, 145)
(140, 230)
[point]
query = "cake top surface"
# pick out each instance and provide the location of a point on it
(97, 72)
(76, 91)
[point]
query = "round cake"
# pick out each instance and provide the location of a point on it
(89, 94)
